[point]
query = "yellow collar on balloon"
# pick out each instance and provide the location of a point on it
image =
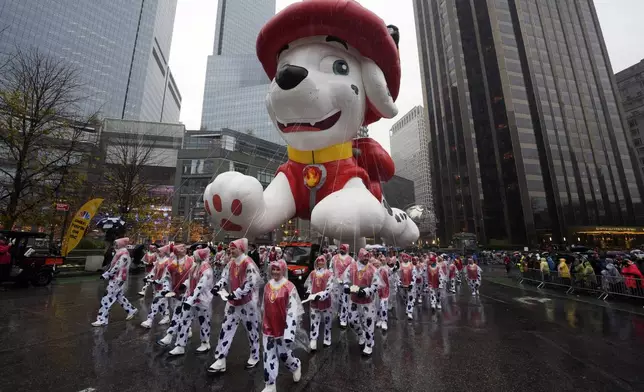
(337, 152)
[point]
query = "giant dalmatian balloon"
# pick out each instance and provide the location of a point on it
(334, 66)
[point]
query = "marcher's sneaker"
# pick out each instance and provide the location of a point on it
(205, 346)
(190, 333)
(142, 292)
(313, 345)
(146, 324)
(477, 292)
(343, 324)
(439, 306)
(167, 339)
(367, 351)
(218, 367)
(378, 323)
(453, 291)
(270, 388)
(327, 343)
(383, 326)
(177, 350)
(297, 374)
(131, 315)
(99, 323)
(251, 363)
(361, 341)
(420, 300)
(410, 316)
(164, 320)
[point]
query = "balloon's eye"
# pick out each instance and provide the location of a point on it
(340, 67)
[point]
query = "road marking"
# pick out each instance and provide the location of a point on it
(532, 300)
(492, 298)
(88, 390)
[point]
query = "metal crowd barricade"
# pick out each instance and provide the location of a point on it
(603, 286)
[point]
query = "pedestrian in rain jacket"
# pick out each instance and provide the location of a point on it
(631, 275)
(564, 271)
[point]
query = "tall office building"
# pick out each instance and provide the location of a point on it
(527, 140)
(631, 88)
(120, 48)
(236, 84)
(409, 139)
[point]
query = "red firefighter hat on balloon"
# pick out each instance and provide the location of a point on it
(345, 19)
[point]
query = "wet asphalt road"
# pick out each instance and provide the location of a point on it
(493, 343)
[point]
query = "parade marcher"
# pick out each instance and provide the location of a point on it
(453, 272)
(418, 284)
(407, 279)
(339, 264)
(473, 276)
(433, 278)
(443, 271)
(179, 269)
(459, 269)
(383, 294)
(241, 277)
(282, 315)
(197, 302)
(320, 283)
(159, 277)
(362, 281)
(149, 259)
(394, 280)
(221, 259)
(116, 275)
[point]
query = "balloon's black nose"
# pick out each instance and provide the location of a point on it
(289, 76)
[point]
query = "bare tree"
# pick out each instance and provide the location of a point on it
(41, 132)
(129, 160)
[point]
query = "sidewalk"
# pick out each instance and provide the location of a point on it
(625, 306)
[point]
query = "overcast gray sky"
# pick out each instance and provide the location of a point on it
(194, 33)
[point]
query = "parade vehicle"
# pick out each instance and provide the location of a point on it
(31, 263)
(300, 258)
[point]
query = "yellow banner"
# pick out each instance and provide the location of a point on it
(79, 224)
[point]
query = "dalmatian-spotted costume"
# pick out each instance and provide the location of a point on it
(459, 269)
(443, 271)
(334, 67)
(197, 302)
(219, 262)
(473, 272)
(362, 281)
(116, 275)
(159, 277)
(453, 272)
(407, 275)
(433, 279)
(179, 270)
(320, 283)
(383, 293)
(149, 260)
(420, 279)
(241, 278)
(339, 264)
(282, 315)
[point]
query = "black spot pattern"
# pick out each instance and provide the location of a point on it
(293, 323)
(186, 306)
(243, 311)
(283, 357)
(272, 366)
(397, 218)
(202, 319)
(355, 89)
(388, 207)
(265, 375)
(231, 309)
(181, 336)
(224, 343)
(221, 334)
(354, 307)
(249, 326)
(369, 322)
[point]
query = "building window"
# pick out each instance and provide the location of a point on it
(632, 122)
(265, 177)
(637, 141)
(240, 167)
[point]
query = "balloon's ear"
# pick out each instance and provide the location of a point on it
(375, 86)
(395, 34)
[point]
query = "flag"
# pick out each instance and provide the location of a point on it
(80, 222)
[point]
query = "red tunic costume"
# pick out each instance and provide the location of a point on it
(159, 272)
(361, 279)
(313, 175)
(318, 284)
(452, 271)
(275, 306)
(237, 276)
(340, 265)
(406, 274)
(432, 277)
(383, 292)
(179, 271)
(149, 258)
(472, 272)
(194, 279)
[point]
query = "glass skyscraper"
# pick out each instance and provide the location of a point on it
(528, 144)
(236, 84)
(120, 48)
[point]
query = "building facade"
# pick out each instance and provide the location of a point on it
(409, 140)
(120, 49)
(631, 88)
(399, 192)
(236, 84)
(205, 154)
(527, 138)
